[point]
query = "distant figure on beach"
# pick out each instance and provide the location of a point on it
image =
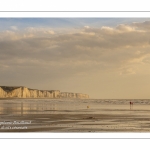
(131, 105)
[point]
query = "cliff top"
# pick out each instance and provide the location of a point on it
(10, 88)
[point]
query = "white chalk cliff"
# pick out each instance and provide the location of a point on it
(24, 92)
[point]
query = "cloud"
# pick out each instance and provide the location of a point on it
(86, 27)
(127, 71)
(14, 27)
(44, 55)
(142, 25)
(125, 28)
(105, 45)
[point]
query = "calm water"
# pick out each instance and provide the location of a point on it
(46, 106)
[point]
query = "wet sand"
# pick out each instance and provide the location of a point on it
(74, 116)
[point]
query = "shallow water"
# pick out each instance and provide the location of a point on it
(64, 115)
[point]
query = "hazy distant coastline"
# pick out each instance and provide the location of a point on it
(24, 92)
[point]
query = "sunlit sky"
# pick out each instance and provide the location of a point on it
(102, 57)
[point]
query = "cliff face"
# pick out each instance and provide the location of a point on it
(2, 93)
(73, 95)
(24, 92)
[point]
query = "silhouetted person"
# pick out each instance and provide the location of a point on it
(131, 105)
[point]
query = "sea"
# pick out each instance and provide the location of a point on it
(74, 115)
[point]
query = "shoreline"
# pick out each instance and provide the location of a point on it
(58, 115)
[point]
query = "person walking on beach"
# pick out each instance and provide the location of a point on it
(131, 105)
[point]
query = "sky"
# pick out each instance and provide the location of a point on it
(107, 58)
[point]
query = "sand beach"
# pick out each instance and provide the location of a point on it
(72, 115)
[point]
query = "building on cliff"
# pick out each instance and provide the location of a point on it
(24, 92)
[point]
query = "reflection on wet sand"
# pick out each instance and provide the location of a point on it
(26, 108)
(74, 116)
